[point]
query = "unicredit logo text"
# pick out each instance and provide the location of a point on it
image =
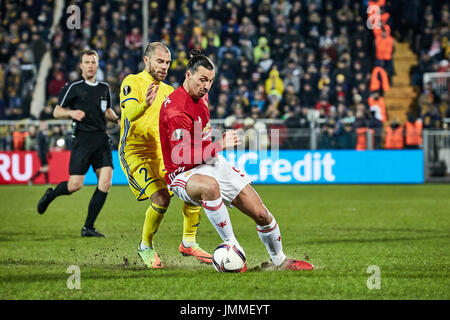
(313, 167)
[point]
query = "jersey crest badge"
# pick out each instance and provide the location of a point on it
(103, 105)
(178, 134)
(126, 90)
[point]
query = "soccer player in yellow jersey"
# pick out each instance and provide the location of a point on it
(141, 96)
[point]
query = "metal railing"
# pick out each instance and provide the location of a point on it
(272, 133)
(440, 81)
(436, 148)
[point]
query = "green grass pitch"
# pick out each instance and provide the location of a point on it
(403, 230)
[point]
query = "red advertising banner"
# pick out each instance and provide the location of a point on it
(17, 167)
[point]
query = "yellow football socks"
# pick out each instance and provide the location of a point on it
(191, 220)
(153, 218)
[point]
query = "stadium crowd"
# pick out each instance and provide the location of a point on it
(294, 62)
(429, 35)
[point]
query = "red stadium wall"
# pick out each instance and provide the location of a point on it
(17, 167)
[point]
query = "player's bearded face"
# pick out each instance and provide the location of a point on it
(200, 82)
(158, 64)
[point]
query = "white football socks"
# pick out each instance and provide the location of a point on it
(217, 213)
(270, 235)
(144, 247)
(187, 244)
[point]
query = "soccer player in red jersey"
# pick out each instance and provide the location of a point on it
(199, 175)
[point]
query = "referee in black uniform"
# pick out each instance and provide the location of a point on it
(88, 103)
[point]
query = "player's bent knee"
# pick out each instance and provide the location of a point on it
(211, 190)
(74, 186)
(161, 198)
(104, 186)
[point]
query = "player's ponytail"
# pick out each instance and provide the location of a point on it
(194, 53)
(197, 59)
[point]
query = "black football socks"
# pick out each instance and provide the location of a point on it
(95, 205)
(60, 190)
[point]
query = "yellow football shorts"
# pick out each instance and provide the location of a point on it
(145, 177)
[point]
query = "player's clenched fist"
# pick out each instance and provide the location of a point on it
(230, 139)
(77, 115)
(151, 94)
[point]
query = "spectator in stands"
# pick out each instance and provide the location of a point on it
(99, 40)
(274, 82)
(179, 60)
(273, 102)
(328, 137)
(342, 112)
(5, 49)
(261, 54)
(13, 91)
(290, 97)
(291, 74)
(394, 135)
(376, 103)
(38, 46)
(196, 39)
(384, 44)
(30, 139)
(308, 95)
(228, 48)
(323, 106)
(432, 119)
(280, 50)
(2, 92)
(413, 132)
(47, 112)
(444, 105)
(57, 138)
(28, 74)
(56, 84)
(360, 117)
(346, 136)
(133, 41)
(6, 138)
(19, 135)
(376, 125)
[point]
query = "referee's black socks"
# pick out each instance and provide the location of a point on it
(60, 190)
(95, 205)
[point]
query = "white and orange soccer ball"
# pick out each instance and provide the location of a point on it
(229, 257)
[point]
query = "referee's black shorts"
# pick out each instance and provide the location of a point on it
(90, 149)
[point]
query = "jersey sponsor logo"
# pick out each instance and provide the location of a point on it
(126, 90)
